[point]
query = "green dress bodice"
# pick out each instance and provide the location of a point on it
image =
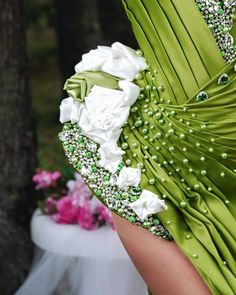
(184, 130)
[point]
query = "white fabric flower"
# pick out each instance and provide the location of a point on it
(105, 111)
(118, 60)
(147, 204)
(111, 156)
(69, 110)
(128, 177)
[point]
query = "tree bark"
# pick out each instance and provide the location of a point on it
(17, 149)
(83, 25)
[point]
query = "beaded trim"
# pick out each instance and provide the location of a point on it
(82, 153)
(218, 15)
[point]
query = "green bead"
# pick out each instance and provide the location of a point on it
(146, 224)
(138, 77)
(138, 123)
(98, 193)
(134, 109)
(134, 145)
(185, 161)
(133, 198)
(139, 52)
(89, 155)
(148, 87)
(94, 169)
(224, 155)
(222, 174)
(117, 196)
(156, 221)
(128, 162)
(131, 219)
(145, 131)
(158, 115)
(203, 172)
(71, 149)
(182, 204)
(124, 146)
(79, 165)
(151, 181)
(106, 177)
(196, 186)
(188, 236)
(120, 166)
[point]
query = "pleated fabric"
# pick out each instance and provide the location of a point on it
(189, 146)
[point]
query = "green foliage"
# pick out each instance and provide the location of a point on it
(40, 13)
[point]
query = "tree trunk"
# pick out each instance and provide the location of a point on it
(83, 25)
(17, 149)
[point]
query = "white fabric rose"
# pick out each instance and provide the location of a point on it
(105, 111)
(147, 204)
(111, 156)
(118, 60)
(69, 110)
(128, 177)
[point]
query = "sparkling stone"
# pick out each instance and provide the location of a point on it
(85, 170)
(223, 79)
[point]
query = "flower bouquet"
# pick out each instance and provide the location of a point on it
(70, 201)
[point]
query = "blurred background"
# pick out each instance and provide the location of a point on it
(40, 43)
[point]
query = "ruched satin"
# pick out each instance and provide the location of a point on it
(184, 59)
(79, 85)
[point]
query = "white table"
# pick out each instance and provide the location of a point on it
(73, 261)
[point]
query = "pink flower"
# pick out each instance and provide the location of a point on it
(51, 205)
(45, 178)
(86, 219)
(79, 190)
(66, 211)
(105, 215)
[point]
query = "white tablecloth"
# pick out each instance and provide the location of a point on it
(73, 261)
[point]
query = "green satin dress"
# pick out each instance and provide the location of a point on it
(196, 140)
(182, 129)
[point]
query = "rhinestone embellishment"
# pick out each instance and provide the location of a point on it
(201, 96)
(218, 15)
(223, 79)
(82, 153)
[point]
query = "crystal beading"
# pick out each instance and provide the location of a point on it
(218, 15)
(82, 153)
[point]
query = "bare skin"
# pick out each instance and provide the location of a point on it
(163, 266)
